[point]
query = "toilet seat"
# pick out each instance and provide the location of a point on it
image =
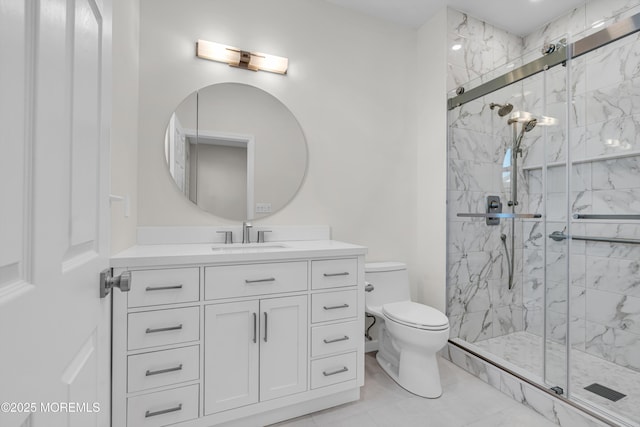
(416, 315)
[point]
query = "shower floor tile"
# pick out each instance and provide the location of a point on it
(525, 351)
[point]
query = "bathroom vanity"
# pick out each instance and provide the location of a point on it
(236, 334)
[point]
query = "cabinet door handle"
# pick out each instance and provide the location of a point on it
(270, 279)
(169, 328)
(149, 414)
(255, 327)
(339, 371)
(334, 307)
(336, 274)
(265, 326)
(162, 288)
(164, 371)
(344, 338)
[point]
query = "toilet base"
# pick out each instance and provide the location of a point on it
(423, 381)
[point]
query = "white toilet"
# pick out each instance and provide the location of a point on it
(410, 334)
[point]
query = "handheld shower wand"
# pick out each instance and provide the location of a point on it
(503, 237)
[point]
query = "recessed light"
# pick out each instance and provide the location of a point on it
(456, 46)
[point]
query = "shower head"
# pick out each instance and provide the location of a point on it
(529, 125)
(504, 109)
(526, 127)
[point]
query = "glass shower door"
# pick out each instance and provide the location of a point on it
(544, 265)
(557, 205)
(605, 227)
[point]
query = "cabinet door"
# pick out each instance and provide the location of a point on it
(283, 346)
(231, 355)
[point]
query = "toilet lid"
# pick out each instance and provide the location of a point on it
(416, 315)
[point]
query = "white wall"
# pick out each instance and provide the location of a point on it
(431, 162)
(124, 131)
(350, 85)
(222, 180)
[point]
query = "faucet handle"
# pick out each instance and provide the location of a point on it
(261, 235)
(228, 236)
(246, 235)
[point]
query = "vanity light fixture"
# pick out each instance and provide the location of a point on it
(235, 57)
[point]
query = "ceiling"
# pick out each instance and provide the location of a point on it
(519, 17)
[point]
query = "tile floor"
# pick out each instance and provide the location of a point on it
(524, 350)
(466, 401)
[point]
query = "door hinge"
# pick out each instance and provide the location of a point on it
(107, 282)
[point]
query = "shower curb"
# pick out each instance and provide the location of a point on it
(544, 402)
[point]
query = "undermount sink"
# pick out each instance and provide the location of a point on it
(247, 247)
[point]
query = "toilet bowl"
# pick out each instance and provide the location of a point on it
(410, 334)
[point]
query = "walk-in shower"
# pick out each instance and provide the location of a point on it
(544, 222)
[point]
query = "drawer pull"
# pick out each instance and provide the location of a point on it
(344, 338)
(336, 274)
(164, 371)
(169, 328)
(270, 279)
(162, 288)
(339, 371)
(334, 307)
(150, 414)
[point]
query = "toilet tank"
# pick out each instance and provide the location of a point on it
(390, 282)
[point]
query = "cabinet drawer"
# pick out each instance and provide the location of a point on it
(160, 368)
(163, 408)
(334, 273)
(167, 286)
(333, 370)
(230, 281)
(334, 306)
(162, 327)
(336, 338)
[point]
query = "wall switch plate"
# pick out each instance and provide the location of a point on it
(263, 207)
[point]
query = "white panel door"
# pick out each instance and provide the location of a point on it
(231, 355)
(283, 347)
(54, 124)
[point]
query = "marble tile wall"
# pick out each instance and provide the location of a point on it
(602, 123)
(480, 305)
(484, 51)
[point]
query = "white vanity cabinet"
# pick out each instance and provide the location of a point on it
(256, 351)
(237, 339)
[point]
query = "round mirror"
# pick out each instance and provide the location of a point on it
(235, 151)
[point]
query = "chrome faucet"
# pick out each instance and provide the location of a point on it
(246, 227)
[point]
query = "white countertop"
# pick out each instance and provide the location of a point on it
(206, 253)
